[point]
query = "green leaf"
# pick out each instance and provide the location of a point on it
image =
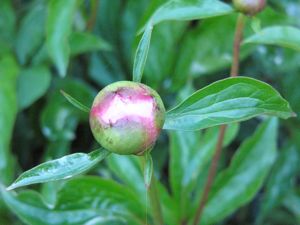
(238, 184)
(283, 36)
(74, 102)
(81, 42)
(141, 54)
(8, 110)
(148, 169)
(128, 169)
(32, 84)
(105, 202)
(59, 118)
(164, 46)
(204, 152)
(100, 194)
(205, 49)
(292, 202)
(280, 182)
(226, 101)
(62, 168)
(7, 26)
(59, 25)
(31, 32)
(189, 10)
(101, 72)
(190, 152)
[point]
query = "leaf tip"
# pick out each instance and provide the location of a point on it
(11, 187)
(63, 92)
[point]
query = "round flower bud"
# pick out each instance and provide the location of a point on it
(127, 117)
(249, 7)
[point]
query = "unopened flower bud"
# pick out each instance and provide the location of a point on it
(127, 117)
(249, 7)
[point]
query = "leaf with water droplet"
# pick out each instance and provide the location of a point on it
(62, 168)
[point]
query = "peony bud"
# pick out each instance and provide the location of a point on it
(126, 117)
(249, 7)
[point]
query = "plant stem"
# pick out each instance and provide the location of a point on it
(94, 10)
(237, 45)
(155, 204)
(214, 163)
(153, 195)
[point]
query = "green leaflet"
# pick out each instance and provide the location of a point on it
(190, 153)
(82, 42)
(8, 110)
(75, 102)
(281, 181)
(283, 36)
(226, 101)
(141, 54)
(238, 184)
(33, 83)
(59, 118)
(105, 202)
(128, 170)
(31, 32)
(188, 10)
(62, 168)
(59, 26)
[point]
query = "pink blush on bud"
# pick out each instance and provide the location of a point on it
(126, 117)
(121, 107)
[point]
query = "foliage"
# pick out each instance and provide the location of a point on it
(53, 53)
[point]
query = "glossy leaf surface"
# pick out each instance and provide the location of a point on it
(63, 168)
(189, 10)
(142, 54)
(105, 202)
(226, 101)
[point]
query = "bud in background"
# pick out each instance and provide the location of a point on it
(249, 7)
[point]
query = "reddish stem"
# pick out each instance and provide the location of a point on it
(214, 163)
(94, 11)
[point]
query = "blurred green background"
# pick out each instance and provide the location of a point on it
(38, 124)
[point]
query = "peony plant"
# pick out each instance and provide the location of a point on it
(128, 117)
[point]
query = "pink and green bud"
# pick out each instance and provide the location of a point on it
(249, 7)
(127, 117)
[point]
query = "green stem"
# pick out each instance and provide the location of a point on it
(153, 196)
(215, 160)
(155, 204)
